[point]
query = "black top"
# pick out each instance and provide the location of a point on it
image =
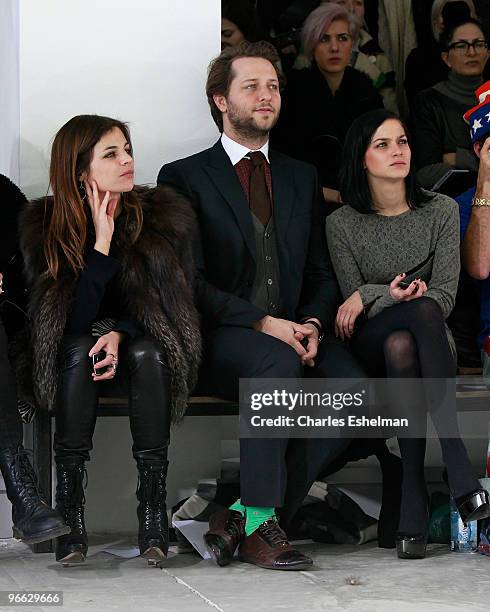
(439, 129)
(12, 201)
(97, 297)
(423, 69)
(313, 122)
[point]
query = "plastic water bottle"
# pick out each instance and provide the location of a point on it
(484, 543)
(463, 537)
(488, 452)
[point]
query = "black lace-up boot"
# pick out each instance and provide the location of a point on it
(70, 502)
(33, 520)
(152, 511)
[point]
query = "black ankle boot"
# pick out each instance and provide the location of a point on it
(33, 520)
(70, 501)
(413, 545)
(152, 511)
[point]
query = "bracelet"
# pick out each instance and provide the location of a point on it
(480, 202)
(317, 326)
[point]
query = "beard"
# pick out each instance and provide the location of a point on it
(248, 127)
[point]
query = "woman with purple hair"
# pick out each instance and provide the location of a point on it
(321, 101)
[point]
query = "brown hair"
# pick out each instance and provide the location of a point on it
(220, 71)
(71, 155)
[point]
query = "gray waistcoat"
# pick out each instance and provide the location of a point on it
(266, 289)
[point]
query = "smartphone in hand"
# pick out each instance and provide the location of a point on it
(96, 357)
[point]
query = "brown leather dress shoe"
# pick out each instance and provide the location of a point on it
(268, 547)
(226, 531)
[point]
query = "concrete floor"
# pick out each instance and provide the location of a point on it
(443, 581)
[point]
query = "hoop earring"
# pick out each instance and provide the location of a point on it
(82, 190)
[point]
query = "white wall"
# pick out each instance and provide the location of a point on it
(143, 62)
(9, 89)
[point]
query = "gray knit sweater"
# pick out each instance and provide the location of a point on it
(369, 250)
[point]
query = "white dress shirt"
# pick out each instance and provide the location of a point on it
(236, 151)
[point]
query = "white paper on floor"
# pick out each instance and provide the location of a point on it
(193, 531)
(370, 506)
(123, 553)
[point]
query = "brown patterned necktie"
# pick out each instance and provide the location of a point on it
(260, 200)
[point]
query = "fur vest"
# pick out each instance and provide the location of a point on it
(156, 275)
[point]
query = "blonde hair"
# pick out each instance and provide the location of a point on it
(320, 20)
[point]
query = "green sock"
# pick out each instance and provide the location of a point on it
(255, 516)
(238, 507)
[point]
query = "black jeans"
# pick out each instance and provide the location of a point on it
(274, 472)
(142, 373)
(10, 423)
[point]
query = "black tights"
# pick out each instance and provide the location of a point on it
(409, 340)
(143, 374)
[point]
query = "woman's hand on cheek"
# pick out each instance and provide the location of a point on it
(102, 216)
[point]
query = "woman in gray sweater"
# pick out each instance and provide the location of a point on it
(394, 321)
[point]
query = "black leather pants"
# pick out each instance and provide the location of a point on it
(142, 374)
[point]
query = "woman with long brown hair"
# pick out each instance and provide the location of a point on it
(110, 268)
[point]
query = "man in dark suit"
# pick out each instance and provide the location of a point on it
(266, 291)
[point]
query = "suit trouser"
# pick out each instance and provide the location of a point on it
(273, 472)
(10, 423)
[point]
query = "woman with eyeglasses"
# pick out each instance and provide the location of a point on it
(441, 135)
(321, 101)
(424, 66)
